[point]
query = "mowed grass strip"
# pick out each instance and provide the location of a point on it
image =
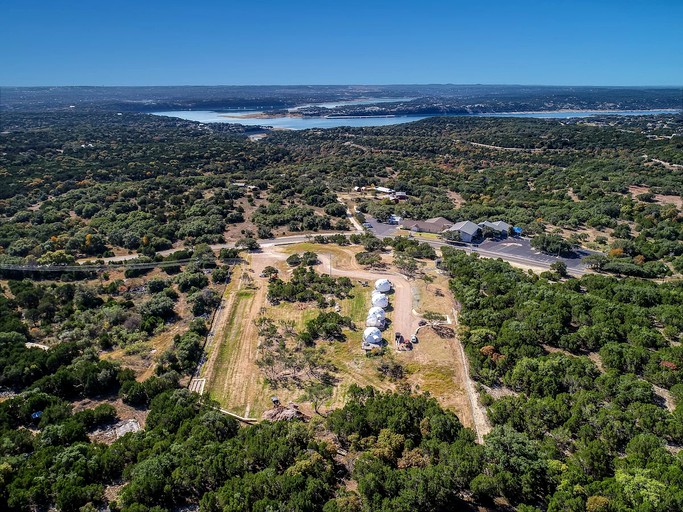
(230, 347)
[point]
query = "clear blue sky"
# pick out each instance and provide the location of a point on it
(152, 42)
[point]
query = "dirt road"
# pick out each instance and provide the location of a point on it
(479, 417)
(401, 301)
(236, 337)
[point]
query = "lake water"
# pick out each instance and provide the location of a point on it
(298, 123)
(336, 104)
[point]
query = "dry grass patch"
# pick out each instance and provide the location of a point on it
(343, 258)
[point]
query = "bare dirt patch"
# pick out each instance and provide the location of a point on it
(677, 201)
(457, 199)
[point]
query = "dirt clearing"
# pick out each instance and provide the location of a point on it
(435, 364)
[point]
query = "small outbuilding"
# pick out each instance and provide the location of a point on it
(383, 285)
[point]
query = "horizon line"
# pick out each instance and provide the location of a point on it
(414, 84)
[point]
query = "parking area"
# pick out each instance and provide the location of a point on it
(513, 249)
(380, 229)
(520, 248)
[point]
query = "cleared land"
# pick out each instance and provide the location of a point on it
(435, 365)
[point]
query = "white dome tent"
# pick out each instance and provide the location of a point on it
(375, 318)
(374, 321)
(372, 337)
(375, 311)
(380, 300)
(383, 285)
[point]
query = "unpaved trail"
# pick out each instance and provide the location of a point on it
(668, 165)
(502, 148)
(479, 417)
(665, 397)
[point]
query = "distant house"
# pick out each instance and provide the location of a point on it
(435, 225)
(384, 190)
(401, 195)
(500, 227)
(468, 230)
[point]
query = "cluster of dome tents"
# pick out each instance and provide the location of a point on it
(372, 336)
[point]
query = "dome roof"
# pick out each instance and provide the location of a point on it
(372, 335)
(374, 321)
(376, 311)
(383, 285)
(380, 300)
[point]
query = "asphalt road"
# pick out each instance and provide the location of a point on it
(512, 249)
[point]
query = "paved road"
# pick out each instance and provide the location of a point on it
(513, 250)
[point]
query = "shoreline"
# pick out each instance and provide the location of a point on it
(295, 115)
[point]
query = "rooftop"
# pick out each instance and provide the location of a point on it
(465, 227)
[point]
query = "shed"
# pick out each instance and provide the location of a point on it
(385, 190)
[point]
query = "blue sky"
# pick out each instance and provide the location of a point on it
(151, 42)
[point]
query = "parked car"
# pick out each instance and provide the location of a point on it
(413, 339)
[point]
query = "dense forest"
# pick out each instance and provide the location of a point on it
(86, 184)
(581, 377)
(590, 419)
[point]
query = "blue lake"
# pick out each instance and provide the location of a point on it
(298, 123)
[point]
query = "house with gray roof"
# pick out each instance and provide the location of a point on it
(500, 227)
(468, 230)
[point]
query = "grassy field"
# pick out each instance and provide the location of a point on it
(238, 384)
(418, 235)
(342, 257)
